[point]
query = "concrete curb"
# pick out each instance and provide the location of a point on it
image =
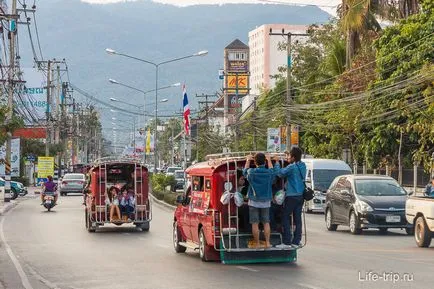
(7, 207)
(162, 203)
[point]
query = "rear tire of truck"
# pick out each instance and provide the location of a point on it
(177, 237)
(145, 227)
(203, 247)
(422, 234)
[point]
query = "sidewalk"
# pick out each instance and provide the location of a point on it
(32, 193)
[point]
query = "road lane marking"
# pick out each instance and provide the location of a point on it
(21, 273)
(247, 269)
(42, 279)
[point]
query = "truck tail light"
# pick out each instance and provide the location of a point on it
(217, 223)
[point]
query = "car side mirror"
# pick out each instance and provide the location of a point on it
(179, 199)
(410, 193)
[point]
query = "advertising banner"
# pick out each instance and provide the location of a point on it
(238, 66)
(273, 140)
(34, 97)
(15, 158)
(45, 167)
(240, 82)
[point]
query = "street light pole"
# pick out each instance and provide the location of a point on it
(156, 65)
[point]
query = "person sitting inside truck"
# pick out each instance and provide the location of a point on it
(429, 190)
(113, 202)
(127, 203)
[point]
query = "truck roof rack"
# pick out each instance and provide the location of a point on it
(117, 159)
(237, 155)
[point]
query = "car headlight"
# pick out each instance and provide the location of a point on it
(363, 207)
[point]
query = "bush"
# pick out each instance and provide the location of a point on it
(170, 198)
(160, 182)
(159, 194)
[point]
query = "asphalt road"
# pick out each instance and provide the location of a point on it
(53, 250)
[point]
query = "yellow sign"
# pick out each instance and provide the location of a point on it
(294, 136)
(243, 84)
(45, 167)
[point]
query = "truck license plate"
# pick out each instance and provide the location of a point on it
(393, 219)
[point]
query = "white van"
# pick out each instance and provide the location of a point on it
(320, 174)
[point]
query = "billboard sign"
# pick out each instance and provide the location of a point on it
(34, 96)
(273, 140)
(238, 82)
(15, 158)
(45, 167)
(238, 66)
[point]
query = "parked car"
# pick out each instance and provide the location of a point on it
(72, 183)
(171, 170)
(17, 188)
(420, 213)
(366, 201)
(320, 174)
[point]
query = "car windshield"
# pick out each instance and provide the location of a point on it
(378, 187)
(172, 169)
(322, 178)
(179, 175)
(74, 177)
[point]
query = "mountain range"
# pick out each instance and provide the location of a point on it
(80, 33)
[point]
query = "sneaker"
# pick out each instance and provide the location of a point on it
(283, 246)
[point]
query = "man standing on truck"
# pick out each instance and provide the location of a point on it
(295, 173)
(260, 195)
(429, 190)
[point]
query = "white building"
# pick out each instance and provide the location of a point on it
(265, 55)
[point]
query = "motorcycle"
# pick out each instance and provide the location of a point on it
(49, 202)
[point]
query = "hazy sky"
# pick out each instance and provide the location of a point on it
(327, 3)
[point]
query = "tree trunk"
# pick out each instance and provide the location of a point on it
(353, 43)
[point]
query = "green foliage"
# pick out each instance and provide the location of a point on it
(161, 181)
(16, 122)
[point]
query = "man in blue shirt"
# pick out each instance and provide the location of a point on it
(429, 190)
(260, 195)
(295, 173)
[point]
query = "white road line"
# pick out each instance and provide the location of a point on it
(247, 269)
(21, 273)
(42, 279)
(309, 286)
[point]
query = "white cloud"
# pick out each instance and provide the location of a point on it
(326, 3)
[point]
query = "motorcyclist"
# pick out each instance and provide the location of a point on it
(49, 186)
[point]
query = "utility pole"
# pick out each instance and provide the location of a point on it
(48, 111)
(255, 146)
(10, 112)
(288, 79)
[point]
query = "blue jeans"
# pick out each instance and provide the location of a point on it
(292, 206)
(126, 210)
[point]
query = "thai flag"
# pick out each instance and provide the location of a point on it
(186, 111)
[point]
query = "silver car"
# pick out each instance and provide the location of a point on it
(72, 183)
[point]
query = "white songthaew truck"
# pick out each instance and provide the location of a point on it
(420, 212)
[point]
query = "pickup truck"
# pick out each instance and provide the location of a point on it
(420, 212)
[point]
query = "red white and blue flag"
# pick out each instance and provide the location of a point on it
(186, 111)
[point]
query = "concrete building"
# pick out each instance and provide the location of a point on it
(266, 57)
